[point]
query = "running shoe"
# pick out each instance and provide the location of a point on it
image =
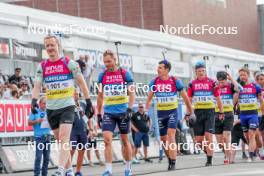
(128, 173)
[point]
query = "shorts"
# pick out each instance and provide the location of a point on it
(59, 116)
(111, 120)
(78, 141)
(237, 134)
(225, 125)
(169, 121)
(249, 121)
(205, 121)
(261, 123)
(92, 143)
(139, 136)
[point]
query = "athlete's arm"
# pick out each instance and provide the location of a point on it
(149, 99)
(100, 99)
(219, 104)
(187, 101)
(131, 94)
(237, 87)
(36, 89)
(81, 82)
(260, 97)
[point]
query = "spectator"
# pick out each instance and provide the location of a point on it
(14, 94)
(141, 124)
(8, 90)
(81, 63)
(24, 88)
(89, 70)
(16, 78)
(42, 138)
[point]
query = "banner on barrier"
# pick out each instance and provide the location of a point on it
(14, 118)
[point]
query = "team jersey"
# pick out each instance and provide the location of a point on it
(115, 86)
(203, 93)
(58, 78)
(259, 105)
(165, 92)
(248, 98)
(226, 94)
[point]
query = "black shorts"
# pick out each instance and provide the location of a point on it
(92, 143)
(226, 124)
(205, 121)
(59, 116)
(261, 123)
(237, 134)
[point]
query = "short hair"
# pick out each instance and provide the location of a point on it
(244, 69)
(17, 69)
(42, 98)
(166, 63)
(52, 36)
(109, 53)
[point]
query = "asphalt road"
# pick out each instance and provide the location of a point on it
(191, 165)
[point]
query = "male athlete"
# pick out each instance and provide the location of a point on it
(166, 88)
(203, 92)
(116, 91)
(58, 74)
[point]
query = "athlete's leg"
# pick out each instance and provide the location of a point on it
(64, 137)
(80, 160)
(172, 143)
(108, 136)
(220, 139)
(127, 147)
(227, 144)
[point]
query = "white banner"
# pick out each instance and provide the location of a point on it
(147, 65)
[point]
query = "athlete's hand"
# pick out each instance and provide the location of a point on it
(89, 110)
(34, 105)
(129, 114)
(99, 120)
(192, 119)
(221, 116)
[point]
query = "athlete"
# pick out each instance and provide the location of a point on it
(248, 104)
(259, 78)
(58, 74)
(166, 88)
(203, 91)
(116, 91)
(228, 87)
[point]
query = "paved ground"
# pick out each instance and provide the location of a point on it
(192, 165)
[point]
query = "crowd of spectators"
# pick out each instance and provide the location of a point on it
(15, 87)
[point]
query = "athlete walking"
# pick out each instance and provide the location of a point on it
(166, 88)
(116, 92)
(58, 75)
(228, 87)
(203, 91)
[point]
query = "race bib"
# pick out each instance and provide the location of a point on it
(115, 97)
(203, 102)
(167, 103)
(227, 105)
(248, 104)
